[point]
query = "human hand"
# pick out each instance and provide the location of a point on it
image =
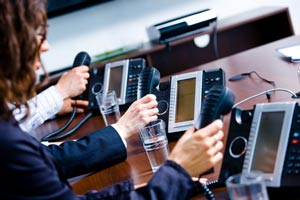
(140, 113)
(198, 151)
(69, 104)
(73, 83)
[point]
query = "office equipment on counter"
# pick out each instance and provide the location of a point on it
(265, 139)
(183, 26)
(122, 76)
(187, 92)
(180, 98)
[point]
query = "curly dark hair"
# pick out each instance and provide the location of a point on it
(19, 49)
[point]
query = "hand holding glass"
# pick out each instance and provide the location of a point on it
(109, 107)
(155, 142)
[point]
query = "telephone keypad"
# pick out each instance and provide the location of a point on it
(134, 69)
(293, 161)
(293, 156)
(212, 78)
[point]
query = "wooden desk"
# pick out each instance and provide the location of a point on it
(264, 60)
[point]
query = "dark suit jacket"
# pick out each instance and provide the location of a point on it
(94, 152)
(29, 171)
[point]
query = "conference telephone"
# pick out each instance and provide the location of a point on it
(179, 98)
(187, 92)
(121, 76)
(265, 139)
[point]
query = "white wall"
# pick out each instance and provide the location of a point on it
(119, 23)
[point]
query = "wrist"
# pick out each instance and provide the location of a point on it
(61, 92)
(123, 131)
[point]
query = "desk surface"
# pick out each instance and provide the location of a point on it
(264, 60)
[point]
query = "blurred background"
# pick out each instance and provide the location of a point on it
(100, 26)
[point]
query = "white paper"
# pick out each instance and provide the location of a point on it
(291, 52)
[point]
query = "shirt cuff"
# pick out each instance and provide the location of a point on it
(120, 134)
(42, 107)
(51, 101)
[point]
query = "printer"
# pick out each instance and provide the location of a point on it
(180, 27)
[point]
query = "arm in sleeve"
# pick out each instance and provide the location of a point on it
(26, 170)
(30, 171)
(42, 107)
(93, 152)
(171, 181)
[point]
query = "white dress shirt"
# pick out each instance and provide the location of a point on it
(42, 107)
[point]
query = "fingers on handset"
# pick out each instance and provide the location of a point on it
(82, 70)
(152, 104)
(215, 151)
(147, 102)
(148, 98)
(219, 135)
(86, 72)
(210, 129)
(216, 147)
(86, 75)
(217, 158)
(216, 125)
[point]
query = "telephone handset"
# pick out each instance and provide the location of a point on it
(82, 58)
(149, 83)
(219, 101)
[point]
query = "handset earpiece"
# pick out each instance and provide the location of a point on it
(82, 58)
(218, 102)
(148, 80)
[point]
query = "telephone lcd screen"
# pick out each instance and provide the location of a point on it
(185, 100)
(115, 79)
(267, 141)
